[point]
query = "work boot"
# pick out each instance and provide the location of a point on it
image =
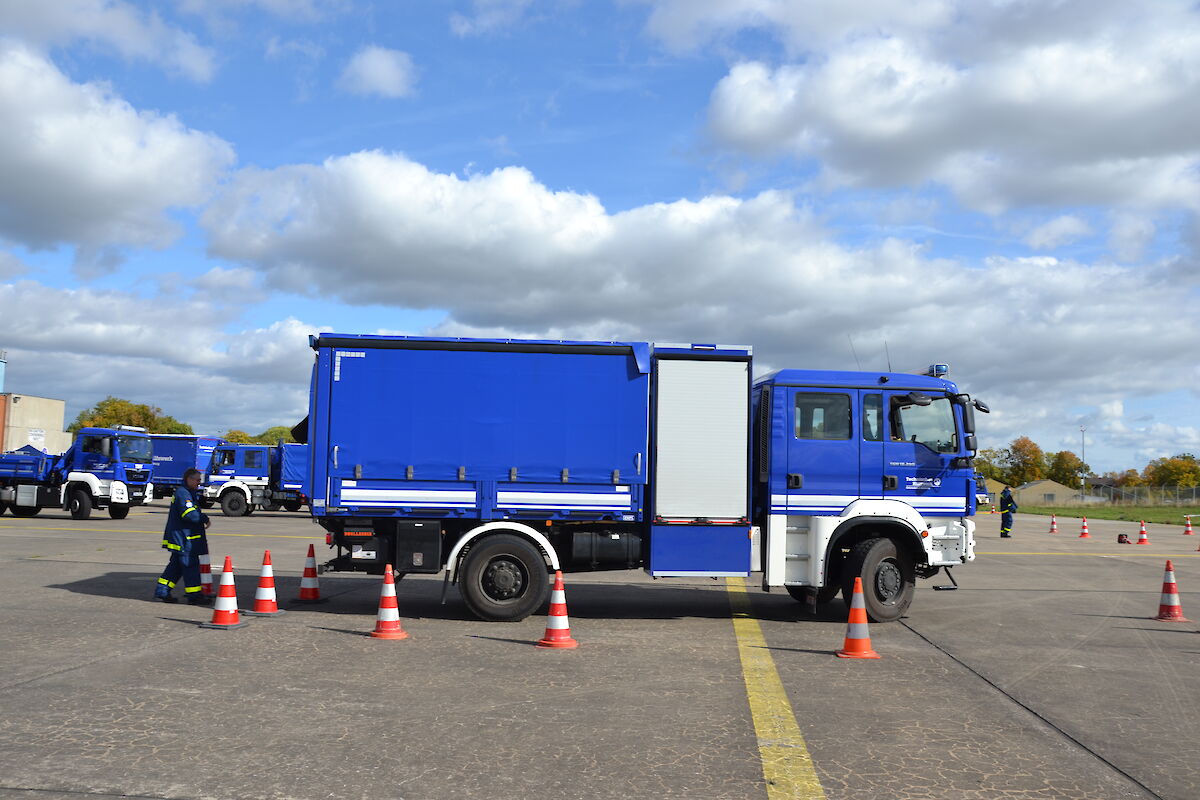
(199, 600)
(167, 599)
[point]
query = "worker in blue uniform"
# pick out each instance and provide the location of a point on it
(185, 540)
(1008, 507)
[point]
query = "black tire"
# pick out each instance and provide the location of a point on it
(504, 578)
(25, 511)
(3, 508)
(293, 505)
(888, 577)
(271, 505)
(250, 509)
(824, 594)
(206, 503)
(80, 504)
(233, 504)
(118, 510)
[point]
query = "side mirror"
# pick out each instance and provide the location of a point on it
(968, 419)
(982, 406)
(971, 442)
(916, 399)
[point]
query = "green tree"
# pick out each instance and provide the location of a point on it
(990, 462)
(238, 437)
(1066, 468)
(1025, 461)
(1130, 477)
(274, 434)
(1181, 470)
(113, 411)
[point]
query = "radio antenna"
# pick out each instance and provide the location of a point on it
(889, 355)
(855, 352)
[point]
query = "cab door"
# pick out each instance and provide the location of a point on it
(822, 450)
(922, 441)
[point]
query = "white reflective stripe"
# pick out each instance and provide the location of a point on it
(558, 596)
(225, 604)
(857, 601)
(389, 590)
(564, 498)
(857, 630)
(389, 615)
(1169, 600)
(308, 583)
(227, 579)
(310, 562)
(267, 572)
(204, 559)
(264, 593)
(411, 496)
(558, 623)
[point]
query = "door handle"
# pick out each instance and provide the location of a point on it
(891, 482)
(795, 480)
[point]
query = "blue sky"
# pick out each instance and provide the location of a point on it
(192, 187)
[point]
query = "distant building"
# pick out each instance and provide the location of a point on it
(1045, 493)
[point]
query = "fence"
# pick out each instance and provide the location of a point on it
(1143, 495)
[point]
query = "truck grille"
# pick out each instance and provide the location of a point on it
(137, 475)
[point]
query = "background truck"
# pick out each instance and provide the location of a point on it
(174, 454)
(243, 477)
(103, 468)
(501, 460)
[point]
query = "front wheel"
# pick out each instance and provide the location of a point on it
(80, 504)
(504, 578)
(233, 504)
(888, 578)
(118, 510)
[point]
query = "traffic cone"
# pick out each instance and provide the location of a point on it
(558, 626)
(225, 610)
(264, 595)
(387, 622)
(1053, 524)
(310, 589)
(206, 587)
(1143, 537)
(1083, 532)
(1169, 609)
(858, 639)
(1187, 527)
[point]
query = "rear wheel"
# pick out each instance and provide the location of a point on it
(25, 511)
(233, 504)
(80, 504)
(271, 505)
(888, 578)
(504, 578)
(118, 510)
(3, 508)
(293, 505)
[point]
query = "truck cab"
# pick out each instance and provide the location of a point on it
(245, 477)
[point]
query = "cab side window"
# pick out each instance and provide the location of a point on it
(253, 459)
(872, 418)
(822, 416)
(93, 444)
(224, 458)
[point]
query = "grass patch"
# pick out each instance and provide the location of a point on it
(1163, 515)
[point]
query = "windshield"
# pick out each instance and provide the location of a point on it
(134, 448)
(931, 425)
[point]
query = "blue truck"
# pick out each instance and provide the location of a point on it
(103, 468)
(245, 477)
(176, 453)
(501, 460)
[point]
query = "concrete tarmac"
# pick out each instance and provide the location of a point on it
(1042, 677)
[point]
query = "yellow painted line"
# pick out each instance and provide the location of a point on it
(787, 766)
(153, 533)
(1134, 555)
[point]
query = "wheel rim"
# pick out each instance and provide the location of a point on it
(503, 579)
(889, 581)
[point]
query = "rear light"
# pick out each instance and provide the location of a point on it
(328, 539)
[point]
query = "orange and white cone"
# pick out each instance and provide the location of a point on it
(558, 626)
(265, 604)
(1143, 537)
(1187, 527)
(858, 638)
(1083, 531)
(1169, 609)
(225, 610)
(1053, 524)
(310, 588)
(206, 585)
(387, 622)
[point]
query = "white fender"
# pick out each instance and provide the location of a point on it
(215, 490)
(97, 487)
(118, 492)
(504, 525)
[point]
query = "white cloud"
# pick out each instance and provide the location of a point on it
(487, 16)
(380, 71)
(1130, 235)
(280, 48)
(1057, 232)
(1004, 103)
(112, 24)
(11, 266)
(82, 166)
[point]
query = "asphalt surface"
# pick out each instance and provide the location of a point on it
(1042, 677)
